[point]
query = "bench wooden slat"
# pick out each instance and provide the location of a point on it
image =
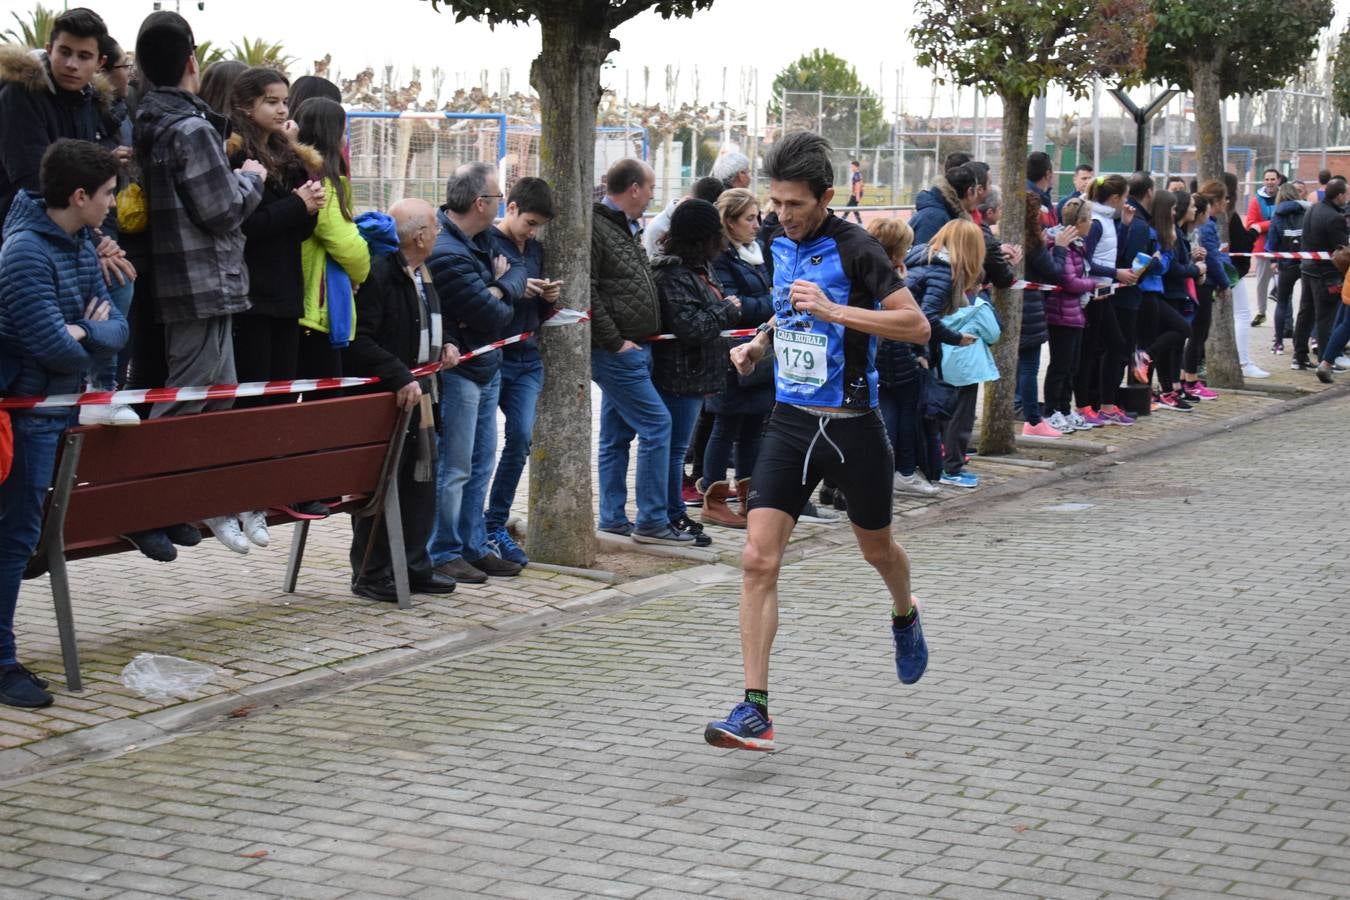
(181, 444)
(103, 511)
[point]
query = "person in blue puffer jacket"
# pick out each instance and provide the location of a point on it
(56, 324)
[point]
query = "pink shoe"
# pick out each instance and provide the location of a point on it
(1041, 429)
(1200, 391)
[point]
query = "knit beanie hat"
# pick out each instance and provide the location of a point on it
(694, 222)
(163, 47)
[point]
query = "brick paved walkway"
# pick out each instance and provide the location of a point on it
(1137, 689)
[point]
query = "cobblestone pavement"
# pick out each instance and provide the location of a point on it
(1137, 689)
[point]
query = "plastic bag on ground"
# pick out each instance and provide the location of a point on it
(159, 678)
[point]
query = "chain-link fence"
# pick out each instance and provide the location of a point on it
(397, 155)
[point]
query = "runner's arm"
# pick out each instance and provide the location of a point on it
(898, 319)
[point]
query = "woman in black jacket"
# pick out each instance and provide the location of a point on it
(740, 408)
(694, 309)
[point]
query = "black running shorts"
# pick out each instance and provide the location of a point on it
(865, 474)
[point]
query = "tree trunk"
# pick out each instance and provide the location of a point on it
(1221, 353)
(997, 435)
(567, 76)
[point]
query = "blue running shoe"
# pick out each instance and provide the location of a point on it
(911, 652)
(961, 479)
(501, 543)
(744, 729)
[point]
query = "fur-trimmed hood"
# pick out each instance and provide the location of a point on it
(29, 69)
(309, 157)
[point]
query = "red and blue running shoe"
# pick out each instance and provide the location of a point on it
(745, 729)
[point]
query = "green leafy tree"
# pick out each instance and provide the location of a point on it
(207, 53)
(1015, 49)
(577, 38)
(842, 119)
(258, 52)
(1218, 49)
(1340, 75)
(33, 30)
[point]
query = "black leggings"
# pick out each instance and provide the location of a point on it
(1171, 331)
(1204, 316)
(1101, 338)
(1059, 375)
(1120, 346)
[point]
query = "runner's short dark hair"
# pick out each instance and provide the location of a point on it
(802, 156)
(69, 165)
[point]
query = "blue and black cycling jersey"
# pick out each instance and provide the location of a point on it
(818, 363)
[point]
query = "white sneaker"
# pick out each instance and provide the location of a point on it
(1252, 370)
(254, 526)
(1343, 362)
(1060, 423)
(914, 484)
(1078, 422)
(227, 531)
(109, 414)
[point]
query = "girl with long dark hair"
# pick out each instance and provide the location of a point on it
(336, 239)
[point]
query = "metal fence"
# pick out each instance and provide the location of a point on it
(411, 154)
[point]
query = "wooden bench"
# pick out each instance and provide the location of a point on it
(112, 481)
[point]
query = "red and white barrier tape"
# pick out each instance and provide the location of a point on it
(1285, 254)
(259, 388)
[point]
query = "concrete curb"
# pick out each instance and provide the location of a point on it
(112, 739)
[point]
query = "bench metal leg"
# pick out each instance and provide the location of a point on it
(297, 555)
(55, 548)
(65, 618)
(398, 555)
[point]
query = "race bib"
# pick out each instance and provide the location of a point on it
(801, 356)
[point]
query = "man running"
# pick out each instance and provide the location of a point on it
(835, 293)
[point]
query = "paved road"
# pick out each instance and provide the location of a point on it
(1138, 688)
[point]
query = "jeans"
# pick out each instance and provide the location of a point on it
(683, 416)
(522, 380)
(466, 445)
(740, 431)
(1065, 343)
(630, 407)
(22, 496)
(111, 372)
(1028, 395)
(1340, 336)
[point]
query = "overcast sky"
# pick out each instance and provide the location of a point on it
(736, 34)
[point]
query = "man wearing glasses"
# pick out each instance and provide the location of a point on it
(474, 288)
